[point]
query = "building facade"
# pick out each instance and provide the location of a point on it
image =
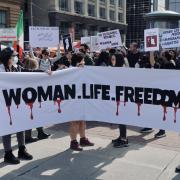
(173, 5)
(9, 12)
(79, 17)
(136, 10)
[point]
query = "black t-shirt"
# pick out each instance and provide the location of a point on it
(133, 58)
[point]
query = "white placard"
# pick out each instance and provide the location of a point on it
(8, 34)
(105, 94)
(94, 44)
(151, 39)
(43, 36)
(86, 40)
(109, 39)
(170, 38)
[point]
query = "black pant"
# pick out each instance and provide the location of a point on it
(122, 131)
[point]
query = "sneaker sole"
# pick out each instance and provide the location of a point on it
(150, 131)
(121, 146)
(157, 137)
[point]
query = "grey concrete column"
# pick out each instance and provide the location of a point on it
(97, 9)
(116, 10)
(71, 2)
(86, 7)
(107, 9)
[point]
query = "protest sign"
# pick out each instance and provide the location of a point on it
(67, 42)
(170, 38)
(43, 36)
(8, 34)
(151, 39)
(94, 44)
(86, 40)
(91, 93)
(109, 39)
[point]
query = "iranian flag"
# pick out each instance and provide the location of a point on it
(20, 34)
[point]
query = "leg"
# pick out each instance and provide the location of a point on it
(9, 156)
(28, 137)
(74, 129)
(22, 153)
(122, 141)
(7, 142)
(42, 134)
(123, 131)
(83, 140)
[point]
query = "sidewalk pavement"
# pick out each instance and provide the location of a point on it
(145, 159)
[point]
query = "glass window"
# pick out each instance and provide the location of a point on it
(120, 17)
(91, 10)
(78, 6)
(120, 3)
(102, 1)
(112, 2)
(102, 13)
(64, 28)
(64, 5)
(3, 19)
(112, 15)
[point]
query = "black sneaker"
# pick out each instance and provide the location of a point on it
(30, 140)
(10, 158)
(146, 130)
(43, 135)
(74, 145)
(116, 140)
(160, 134)
(121, 143)
(23, 154)
(177, 170)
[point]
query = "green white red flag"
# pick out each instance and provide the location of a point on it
(20, 34)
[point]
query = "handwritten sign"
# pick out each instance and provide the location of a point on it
(8, 34)
(43, 36)
(109, 39)
(170, 38)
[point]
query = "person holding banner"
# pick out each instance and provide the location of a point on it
(78, 127)
(7, 57)
(117, 60)
(84, 49)
(45, 64)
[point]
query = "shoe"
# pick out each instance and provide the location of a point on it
(160, 134)
(75, 146)
(85, 142)
(177, 170)
(30, 140)
(43, 135)
(146, 130)
(23, 154)
(10, 158)
(116, 140)
(121, 143)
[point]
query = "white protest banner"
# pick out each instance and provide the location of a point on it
(94, 44)
(170, 38)
(151, 39)
(43, 36)
(8, 34)
(29, 100)
(86, 40)
(109, 39)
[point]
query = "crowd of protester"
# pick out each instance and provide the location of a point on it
(41, 60)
